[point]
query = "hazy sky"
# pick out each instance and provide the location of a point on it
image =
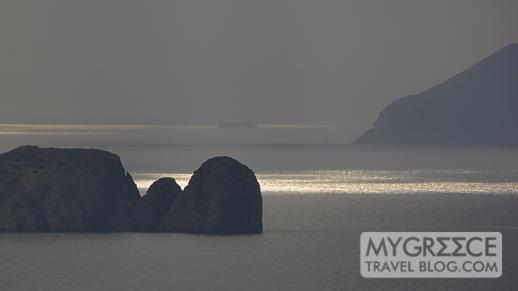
(269, 61)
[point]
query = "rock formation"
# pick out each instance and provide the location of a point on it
(149, 211)
(478, 107)
(223, 196)
(87, 190)
(64, 190)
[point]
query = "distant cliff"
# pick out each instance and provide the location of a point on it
(478, 107)
(88, 190)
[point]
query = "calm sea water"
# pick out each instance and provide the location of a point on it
(318, 199)
(415, 181)
(310, 242)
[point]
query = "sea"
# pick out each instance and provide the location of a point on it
(320, 193)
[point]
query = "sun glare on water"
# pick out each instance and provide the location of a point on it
(363, 182)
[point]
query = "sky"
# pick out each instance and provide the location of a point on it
(208, 61)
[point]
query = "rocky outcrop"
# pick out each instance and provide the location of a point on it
(87, 190)
(64, 190)
(149, 211)
(223, 196)
(478, 107)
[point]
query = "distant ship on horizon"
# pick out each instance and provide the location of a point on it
(237, 124)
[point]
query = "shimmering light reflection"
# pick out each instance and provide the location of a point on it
(58, 128)
(371, 181)
(84, 129)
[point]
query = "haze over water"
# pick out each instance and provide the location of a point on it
(320, 193)
(288, 158)
(153, 81)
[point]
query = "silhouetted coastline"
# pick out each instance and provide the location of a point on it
(478, 107)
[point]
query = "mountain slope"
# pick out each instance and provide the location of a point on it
(478, 107)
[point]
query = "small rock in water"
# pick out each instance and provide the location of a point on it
(149, 211)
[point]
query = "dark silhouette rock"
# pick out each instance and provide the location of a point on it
(149, 211)
(47, 189)
(223, 197)
(478, 107)
(87, 190)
